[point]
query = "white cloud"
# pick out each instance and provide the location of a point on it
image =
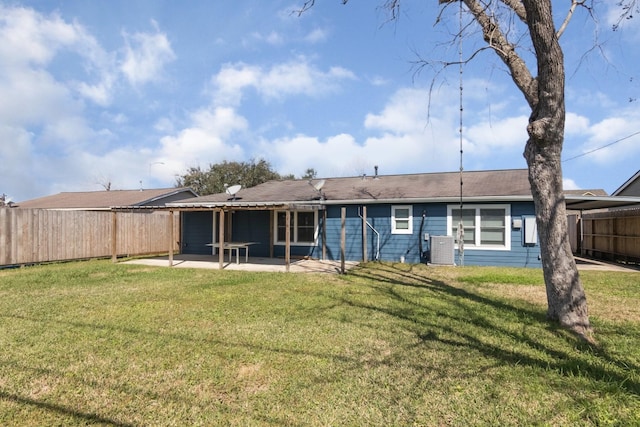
(611, 140)
(576, 124)
(407, 141)
(145, 56)
(378, 81)
(231, 81)
(273, 38)
(31, 38)
(205, 141)
(406, 112)
(316, 35)
(100, 93)
(569, 184)
(509, 133)
(296, 77)
(53, 144)
(16, 161)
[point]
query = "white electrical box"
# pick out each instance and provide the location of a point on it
(516, 223)
(529, 231)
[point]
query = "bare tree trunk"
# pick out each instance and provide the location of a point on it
(566, 299)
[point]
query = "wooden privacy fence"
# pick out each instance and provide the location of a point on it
(29, 236)
(613, 236)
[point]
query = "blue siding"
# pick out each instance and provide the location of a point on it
(197, 229)
(518, 256)
(252, 226)
(256, 226)
(393, 246)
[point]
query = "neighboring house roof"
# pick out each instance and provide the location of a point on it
(512, 184)
(592, 192)
(102, 200)
(631, 187)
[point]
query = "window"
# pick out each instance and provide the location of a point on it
(303, 226)
(485, 226)
(401, 219)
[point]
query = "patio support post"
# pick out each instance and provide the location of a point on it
(287, 233)
(343, 238)
(271, 231)
(581, 234)
(324, 234)
(221, 240)
(365, 256)
(171, 238)
(114, 234)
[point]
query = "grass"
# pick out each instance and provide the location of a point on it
(92, 343)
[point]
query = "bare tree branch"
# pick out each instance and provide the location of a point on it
(574, 5)
(628, 9)
(506, 51)
(517, 7)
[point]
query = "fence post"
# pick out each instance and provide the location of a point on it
(114, 234)
(171, 237)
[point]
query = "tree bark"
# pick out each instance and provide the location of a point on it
(567, 303)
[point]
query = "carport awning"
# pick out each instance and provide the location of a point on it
(584, 203)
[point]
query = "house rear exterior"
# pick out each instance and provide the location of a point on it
(410, 218)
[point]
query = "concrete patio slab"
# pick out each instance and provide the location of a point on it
(254, 264)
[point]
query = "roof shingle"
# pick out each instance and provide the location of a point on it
(107, 199)
(502, 183)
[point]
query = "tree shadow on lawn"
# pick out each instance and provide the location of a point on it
(478, 311)
(63, 410)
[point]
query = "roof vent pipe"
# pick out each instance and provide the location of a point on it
(375, 168)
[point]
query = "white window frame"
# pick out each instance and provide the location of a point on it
(477, 245)
(294, 222)
(394, 229)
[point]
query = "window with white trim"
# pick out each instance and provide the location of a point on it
(402, 219)
(303, 227)
(484, 226)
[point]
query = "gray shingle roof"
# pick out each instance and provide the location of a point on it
(106, 199)
(478, 184)
(588, 192)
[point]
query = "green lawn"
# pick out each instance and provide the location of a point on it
(93, 343)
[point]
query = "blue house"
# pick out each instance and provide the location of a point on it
(409, 218)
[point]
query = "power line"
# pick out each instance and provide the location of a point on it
(604, 146)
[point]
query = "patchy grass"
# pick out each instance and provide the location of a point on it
(388, 344)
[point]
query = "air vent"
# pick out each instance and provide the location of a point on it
(442, 250)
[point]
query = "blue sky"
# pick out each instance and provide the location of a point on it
(133, 93)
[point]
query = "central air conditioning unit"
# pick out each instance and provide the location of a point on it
(442, 250)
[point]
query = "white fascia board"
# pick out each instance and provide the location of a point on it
(480, 199)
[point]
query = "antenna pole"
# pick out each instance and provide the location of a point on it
(460, 223)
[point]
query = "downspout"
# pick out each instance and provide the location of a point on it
(422, 253)
(375, 231)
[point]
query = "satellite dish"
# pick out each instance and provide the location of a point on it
(318, 185)
(234, 189)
